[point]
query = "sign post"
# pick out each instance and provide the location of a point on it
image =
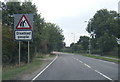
(23, 26)
(28, 53)
(19, 53)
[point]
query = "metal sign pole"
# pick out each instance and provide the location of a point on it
(19, 53)
(28, 53)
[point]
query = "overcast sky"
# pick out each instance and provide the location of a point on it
(71, 14)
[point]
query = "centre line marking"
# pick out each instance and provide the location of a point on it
(87, 65)
(104, 75)
(80, 61)
(77, 60)
(95, 70)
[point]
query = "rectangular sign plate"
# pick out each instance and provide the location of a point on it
(23, 35)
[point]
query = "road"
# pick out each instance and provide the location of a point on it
(78, 67)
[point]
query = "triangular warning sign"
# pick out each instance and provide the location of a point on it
(23, 23)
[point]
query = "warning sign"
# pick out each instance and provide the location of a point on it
(23, 23)
(23, 27)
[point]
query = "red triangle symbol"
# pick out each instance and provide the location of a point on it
(23, 23)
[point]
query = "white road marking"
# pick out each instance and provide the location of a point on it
(96, 70)
(104, 75)
(44, 69)
(80, 61)
(87, 65)
(73, 57)
(77, 60)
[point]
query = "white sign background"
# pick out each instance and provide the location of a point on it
(23, 35)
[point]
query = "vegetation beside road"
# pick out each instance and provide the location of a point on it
(104, 31)
(102, 58)
(113, 56)
(47, 36)
(99, 57)
(11, 71)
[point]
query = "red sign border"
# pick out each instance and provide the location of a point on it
(23, 27)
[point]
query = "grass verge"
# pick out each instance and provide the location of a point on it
(114, 57)
(11, 71)
(8, 73)
(102, 58)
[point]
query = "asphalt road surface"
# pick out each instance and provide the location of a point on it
(77, 67)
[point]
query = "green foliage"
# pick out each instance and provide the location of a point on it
(9, 73)
(54, 37)
(107, 43)
(46, 36)
(67, 49)
(84, 41)
(81, 46)
(77, 48)
(103, 22)
(102, 58)
(105, 30)
(9, 47)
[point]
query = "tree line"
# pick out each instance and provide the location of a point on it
(104, 30)
(47, 36)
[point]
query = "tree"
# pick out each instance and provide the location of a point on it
(55, 37)
(105, 28)
(106, 43)
(10, 47)
(46, 36)
(103, 22)
(84, 41)
(81, 46)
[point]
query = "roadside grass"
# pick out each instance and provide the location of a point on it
(11, 71)
(114, 57)
(102, 58)
(38, 55)
(52, 55)
(44, 55)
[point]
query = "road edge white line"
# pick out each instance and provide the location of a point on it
(44, 69)
(104, 75)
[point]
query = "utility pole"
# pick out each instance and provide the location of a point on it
(73, 40)
(73, 37)
(89, 37)
(90, 40)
